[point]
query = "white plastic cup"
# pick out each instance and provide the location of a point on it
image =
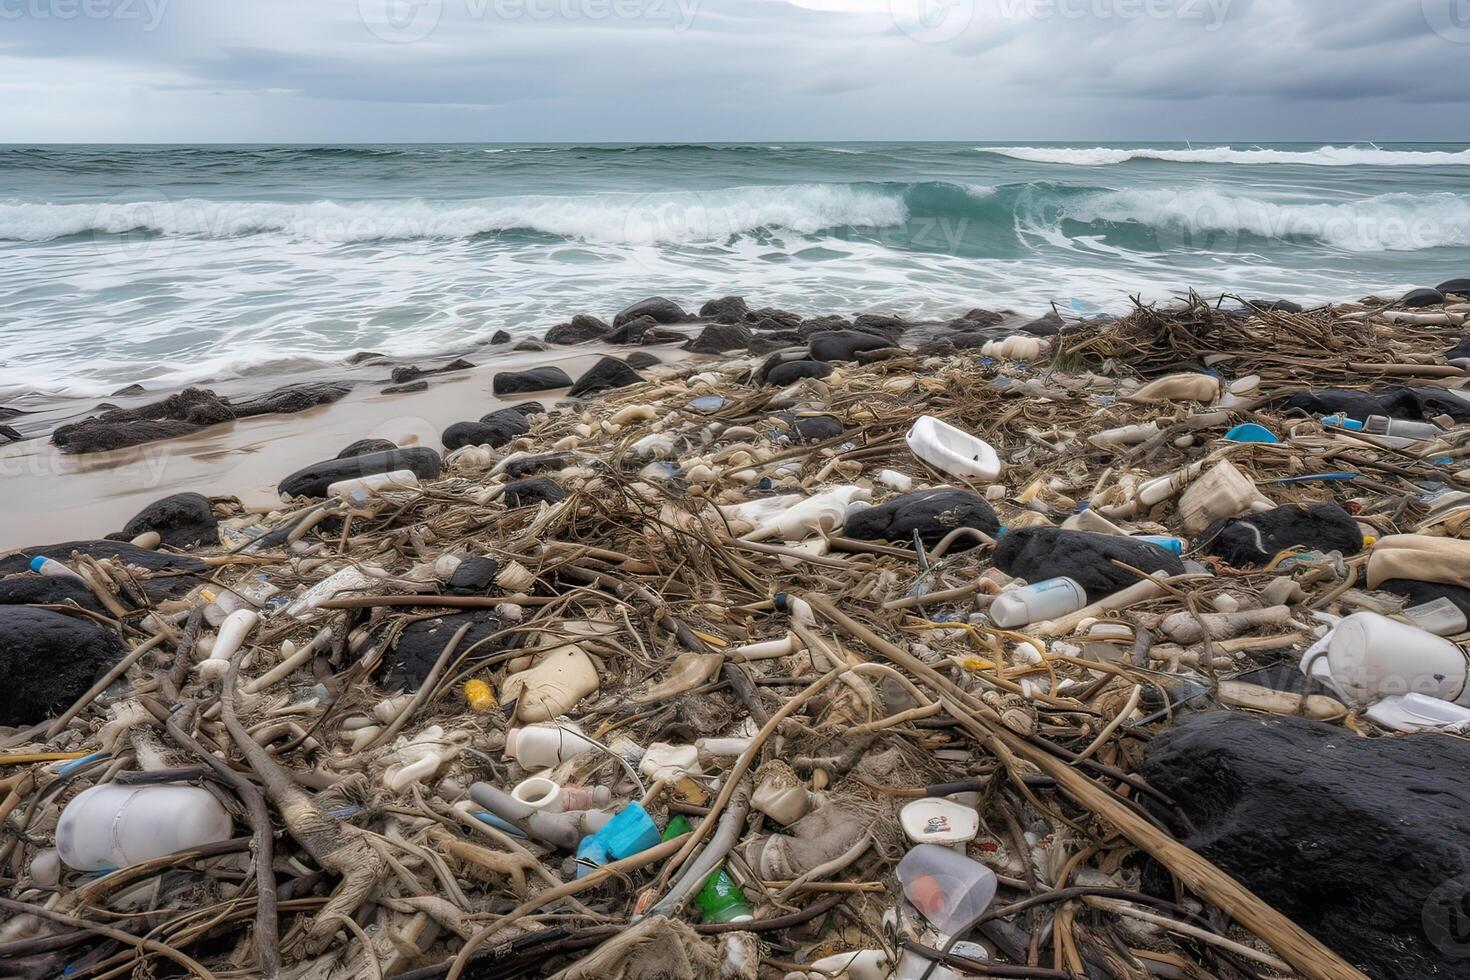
(1037, 603)
(112, 826)
(947, 888)
(1372, 657)
(539, 793)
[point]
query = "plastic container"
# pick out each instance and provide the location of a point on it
(821, 513)
(952, 450)
(52, 568)
(1440, 617)
(720, 898)
(1128, 435)
(1222, 492)
(939, 822)
(947, 888)
(630, 831)
(1382, 425)
(112, 826)
(1341, 421)
(1250, 432)
(670, 762)
(1370, 657)
(539, 793)
(1171, 545)
(1036, 603)
(1418, 713)
(393, 480)
(544, 746)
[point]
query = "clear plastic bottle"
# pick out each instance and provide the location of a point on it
(947, 888)
(112, 826)
(1035, 603)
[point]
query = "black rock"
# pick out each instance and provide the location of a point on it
(406, 389)
(631, 331)
(132, 389)
(421, 643)
(1460, 287)
(717, 338)
(1274, 305)
(881, 325)
(524, 409)
(1364, 842)
(495, 429)
(364, 446)
(640, 359)
(527, 493)
(1419, 593)
(1248, 542)
(726, 309)
(1422, 297)
(30, 589)
(1460, 352)
(605, 375)
(933, 513)
(783, 319)
(531, 344)
(289, 399)
(843, 345)
(122, 551)
(526, 465)
(1040, 553)
(812, 428)
(183, 521)
(660, 309)
(474, 576)
(11, 434)
(313, 480)
(1046, 326)
(48, 660)
(1414, 404)
(806, 329)
(536, 379)
(410, 372)
(500, 337)
(977, 318)
(764, 343)
(363, 356)
(582, 329)
(790, 372)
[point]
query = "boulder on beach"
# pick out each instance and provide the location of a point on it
(495, 430)
(765, 343)
(582, 329)
(534, 379)
(1252, 541)
(1037, 554)
(313, 480)
(1274, 305)
(364, 446)
(531, 344)
(605, 375)
(1045, 326)
(806, 329)
(1459, 287)
(881, 325)
(640, 359)
(183, 571)
(1422, 297)
(527, 493)
(790, 372)
(811, 428)
(524, 409)
(183, 521)
(1364, 842)
(726, 309)
(48, 660)
(500, 337)
(1414, 404)
(410, 372)
(660, 309)
(11, 434)
(933, 513)
(843, 345)
(30, 589)
(717, 338)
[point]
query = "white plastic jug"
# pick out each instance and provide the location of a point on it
(1368, 657)
(394, 480)
(824, 512)
(112, 826)
(1051, 599)
(952, 450)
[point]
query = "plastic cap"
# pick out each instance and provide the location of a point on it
(38, 561)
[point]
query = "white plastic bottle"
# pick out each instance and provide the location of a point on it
(394, 480)
(544, 746)
(1036, 603)
(113, 826)
(1371, 657)
(52, 568)
(1382, 425)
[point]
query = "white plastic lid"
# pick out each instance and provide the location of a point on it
(939, 821)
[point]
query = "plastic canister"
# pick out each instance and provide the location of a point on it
(544, 746)
(1372, 657)
(395, 480)
(947, 888)
(1045, 600)
(112, 826)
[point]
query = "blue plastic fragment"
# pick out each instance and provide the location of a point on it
(1250, 432)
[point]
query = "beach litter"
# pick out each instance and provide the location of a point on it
(1114, 653)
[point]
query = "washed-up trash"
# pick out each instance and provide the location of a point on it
(953, 451)
(1041, 554)
(949, 890)
(111, 826)
(1034, 603)
(1179, 388)
(939, 821)
(1368, 656)
(931, 514)
(1255, 540)
(1250, 432)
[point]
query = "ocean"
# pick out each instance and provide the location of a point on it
(175, 265)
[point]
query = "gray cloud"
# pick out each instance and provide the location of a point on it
(390, 70)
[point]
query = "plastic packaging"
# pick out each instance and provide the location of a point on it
(347, 580)
(1222, 492)
(53, 569)
(112, 826)
(1368, 657)
(560, 679)
(952, 450)
(1382, 425)
(894, 480)
(670, 762)
(1128, 435)
(939, 822)
(394, 480)
(1173, 545)
(1184, 387)
(947, 888)
(824, 512)
(630, 831)
(1417, 713)
(720, 898)
(1440, 617)
(544, 746)
(1035, 603)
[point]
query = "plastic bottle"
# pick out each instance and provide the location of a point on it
(947, 888)
(1045, 600)
(952, 450)
(112, 826)
(630, 831)
(1371, 657)
(52, 568)
(720, 898)
(1341, 421)
(1382, 425)
(394, 480)
(544, 746)
(1173, 545)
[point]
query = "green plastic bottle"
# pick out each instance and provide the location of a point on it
(720, 900)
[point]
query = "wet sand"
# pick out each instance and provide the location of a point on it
(53, 497)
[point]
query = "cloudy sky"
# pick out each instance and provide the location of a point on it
(672, 70)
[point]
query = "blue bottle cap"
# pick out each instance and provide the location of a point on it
(37, 562)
